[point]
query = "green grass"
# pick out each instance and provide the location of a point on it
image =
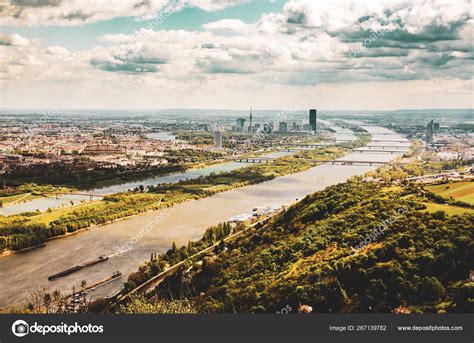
(391, 189)
(47, 218)
(19, 198)
(462, 191)
(448, 209)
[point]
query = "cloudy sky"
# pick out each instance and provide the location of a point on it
(233, 54)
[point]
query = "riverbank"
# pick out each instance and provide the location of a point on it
(187, 222)
(67, 234)
(124, 206)
(197, 170)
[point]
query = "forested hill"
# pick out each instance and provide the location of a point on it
(314, 254)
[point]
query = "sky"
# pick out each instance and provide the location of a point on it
(234, 54)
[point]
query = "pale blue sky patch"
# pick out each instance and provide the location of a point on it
(190, 19)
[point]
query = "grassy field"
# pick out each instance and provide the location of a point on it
(431, 207)
(450, 210)
(19, 198)
(47, 218)
(463, 191)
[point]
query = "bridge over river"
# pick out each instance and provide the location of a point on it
(57, 194)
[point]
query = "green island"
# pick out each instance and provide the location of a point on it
(27, 192)
(30, 229)
(77, 177)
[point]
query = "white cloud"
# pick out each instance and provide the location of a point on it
(234, 25)
(14, 39)
(78, 12)
(308, 45)
(309, 38)
(22, 60)
(213, 5)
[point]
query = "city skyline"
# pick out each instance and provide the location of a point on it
(306, 158)
(352, 55)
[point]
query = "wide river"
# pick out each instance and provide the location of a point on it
(28, 270)
(42, 204)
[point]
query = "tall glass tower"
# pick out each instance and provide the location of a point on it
(312, 119)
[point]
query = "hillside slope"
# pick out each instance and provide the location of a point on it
(350, 248)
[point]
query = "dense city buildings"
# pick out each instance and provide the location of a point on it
(103, 149)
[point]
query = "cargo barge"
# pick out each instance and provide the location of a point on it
(74, 269)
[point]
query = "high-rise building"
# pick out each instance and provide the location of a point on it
(312, 119)
(282, 127)
(240, 123)
(250, 127)
(218, 139)
(429, 132)
(267, 128)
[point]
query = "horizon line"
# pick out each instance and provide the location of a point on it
(228, 109)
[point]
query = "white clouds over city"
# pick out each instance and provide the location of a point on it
(308, 44)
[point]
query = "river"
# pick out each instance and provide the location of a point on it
(27, 270)
(43, 204)
(62, 201)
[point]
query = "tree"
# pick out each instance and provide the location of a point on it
(440, 215)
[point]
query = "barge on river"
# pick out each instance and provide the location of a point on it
(74, 269)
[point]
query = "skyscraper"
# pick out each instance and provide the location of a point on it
(218, 139)
(429, 132)
(312, 119)
(240, 124)
(283, 127)
(250, 127)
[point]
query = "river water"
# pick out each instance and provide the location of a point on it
(27, 270)
(44, 204)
